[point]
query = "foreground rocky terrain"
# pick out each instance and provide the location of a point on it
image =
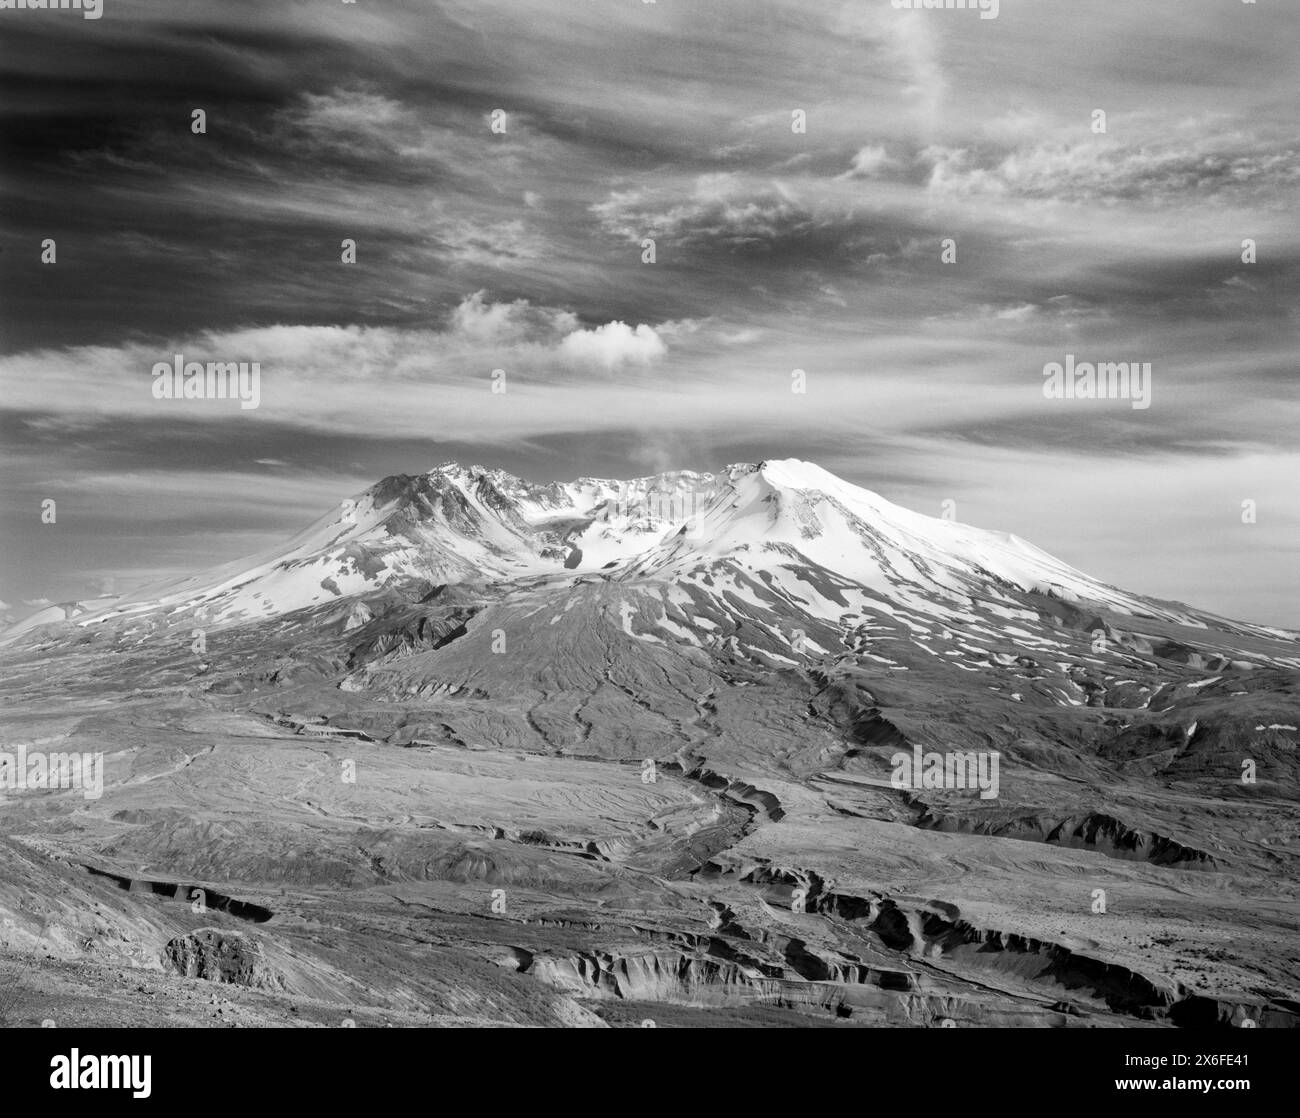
(472, 751)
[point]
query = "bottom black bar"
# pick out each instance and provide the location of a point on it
(344, 1065)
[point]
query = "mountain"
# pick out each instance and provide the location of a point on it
(687, 727)
(788, 522)
(453, 524)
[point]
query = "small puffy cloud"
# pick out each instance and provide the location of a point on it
(477, 320)
(614, 344)
(869, 162)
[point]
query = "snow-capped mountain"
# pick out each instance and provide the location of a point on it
(790, 515)
(454, 524)
(783, 531)
(786, 526)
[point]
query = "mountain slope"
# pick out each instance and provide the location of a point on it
(789, 522)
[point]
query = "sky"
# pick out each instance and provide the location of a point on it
(920, 210)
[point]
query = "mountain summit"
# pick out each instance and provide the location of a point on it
(783, 528)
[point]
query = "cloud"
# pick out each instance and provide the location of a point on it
(614, 344)
(1196, 169)
(475, 319)
(869, 162)
(809, 222)
(361, 378)
(720, 208)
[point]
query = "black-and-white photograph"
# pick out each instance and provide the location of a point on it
(650, 514)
